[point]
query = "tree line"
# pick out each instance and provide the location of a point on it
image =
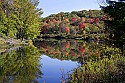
(21, 19)
(74, 23)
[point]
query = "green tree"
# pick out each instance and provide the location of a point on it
(20, 18)
(6, 23)
(27, 19)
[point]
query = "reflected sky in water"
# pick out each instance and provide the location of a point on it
(55, 70)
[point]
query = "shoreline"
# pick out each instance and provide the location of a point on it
(9, 43)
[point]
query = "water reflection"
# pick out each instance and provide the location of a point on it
(52, 61)
(99, 62)
(69, 49)
(20, 65)
(66, 55)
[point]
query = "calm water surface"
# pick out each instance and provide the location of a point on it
(51, 61)
(59, 58)
(46, 62)
(55, 70)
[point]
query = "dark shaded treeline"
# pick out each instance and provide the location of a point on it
(116, 25)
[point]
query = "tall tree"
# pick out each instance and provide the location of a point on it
(27, 18)
(23, 18)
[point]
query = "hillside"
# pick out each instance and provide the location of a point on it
(75, 24)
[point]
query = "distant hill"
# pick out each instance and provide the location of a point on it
(74, 23)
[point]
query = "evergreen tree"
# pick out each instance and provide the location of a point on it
(116, 24)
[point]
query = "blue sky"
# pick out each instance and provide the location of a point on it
(56, 6)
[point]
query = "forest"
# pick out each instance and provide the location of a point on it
(75, 24)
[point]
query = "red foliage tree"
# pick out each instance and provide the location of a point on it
(81, 49)
(54, 21)
(67, 45)
(67, 30)
(90, 20)
(72, 53)
(73, 19)
(103, 17)
(81, 25)
(43, 29)
(97, 20)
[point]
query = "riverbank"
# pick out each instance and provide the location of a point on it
(10, 43)
(77, 37)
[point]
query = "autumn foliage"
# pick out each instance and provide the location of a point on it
(81, 25)
(73, 23)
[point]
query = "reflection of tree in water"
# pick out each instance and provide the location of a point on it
(107, 68)
(74, 50)
(99, 61)
(20, 66)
